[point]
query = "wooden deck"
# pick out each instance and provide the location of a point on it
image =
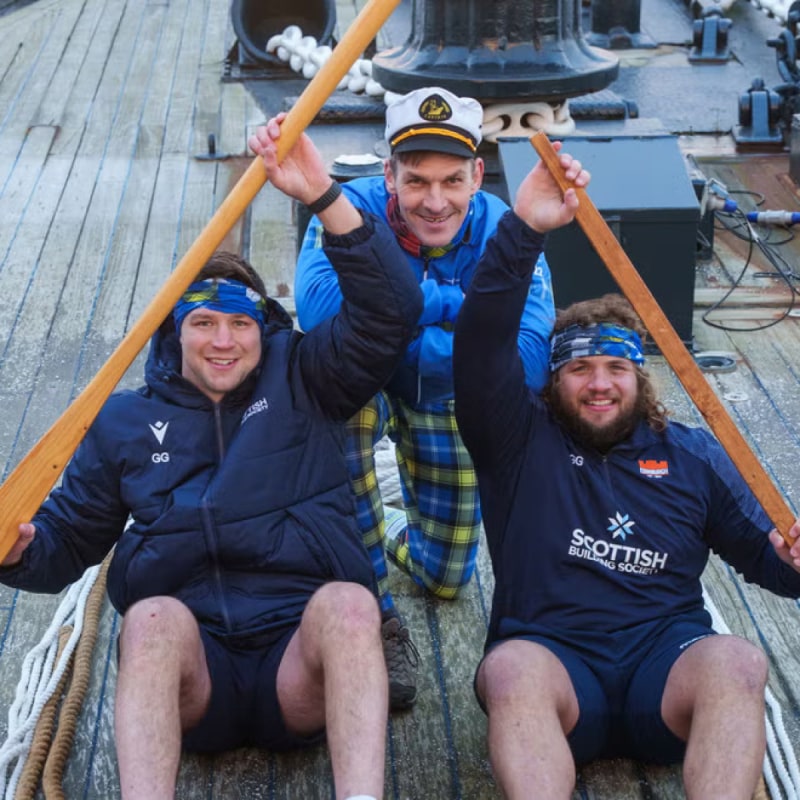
(104, 106)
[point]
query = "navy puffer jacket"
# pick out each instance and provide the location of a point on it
(240, 509)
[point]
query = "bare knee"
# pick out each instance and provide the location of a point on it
(156, 622)
(747, 665)
(499, 675)
(344, 609)
(161, 654)
(715, 673)
(519, 670)
(733, 661)
(340, 620)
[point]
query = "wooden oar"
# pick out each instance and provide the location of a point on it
(670, 345)
(28, 485)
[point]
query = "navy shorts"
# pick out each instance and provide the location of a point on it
(620, 699)
(244, 709)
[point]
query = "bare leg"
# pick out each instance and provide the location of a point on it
(163, 687)
(532, 706)
(714, 699)
(333, 674)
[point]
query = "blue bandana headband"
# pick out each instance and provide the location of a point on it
(602, 339)
(219, 294)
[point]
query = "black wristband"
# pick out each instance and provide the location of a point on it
(324, 200)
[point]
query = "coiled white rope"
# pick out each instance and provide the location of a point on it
(305, 56)
(781, 772)
(39, 679)
(775, 8)
(525, 119)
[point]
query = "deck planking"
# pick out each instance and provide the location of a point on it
(105, 106)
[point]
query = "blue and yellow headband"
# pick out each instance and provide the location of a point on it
(220, 294)
(578, 341)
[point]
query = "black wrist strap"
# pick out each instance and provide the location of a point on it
(324, 200)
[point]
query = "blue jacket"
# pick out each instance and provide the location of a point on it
(584, 544)
(425, 375)
(240, 509)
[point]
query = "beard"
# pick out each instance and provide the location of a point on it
(599, 437)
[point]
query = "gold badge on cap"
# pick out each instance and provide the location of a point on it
(434, 108)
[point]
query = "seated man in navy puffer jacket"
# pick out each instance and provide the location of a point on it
(601, 514)
(249, 600)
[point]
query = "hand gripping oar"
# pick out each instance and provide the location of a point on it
(28, 485)
(670, 345)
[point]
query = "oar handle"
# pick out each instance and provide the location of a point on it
(670, 345)
(28, 485)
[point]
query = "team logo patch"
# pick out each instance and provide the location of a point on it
(653, 468)
(617, 552)
(434, 108)
(255, 408)
(159, 430)
(621, 526)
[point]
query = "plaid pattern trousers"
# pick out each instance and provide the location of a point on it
(439, 546)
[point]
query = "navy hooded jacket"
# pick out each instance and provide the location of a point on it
(589, 546)
(243, 508)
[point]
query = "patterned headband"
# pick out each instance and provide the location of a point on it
(219, 294)
(602, 339)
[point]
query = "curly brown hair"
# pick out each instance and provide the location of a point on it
(615, 309)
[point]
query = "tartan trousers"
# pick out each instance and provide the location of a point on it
(439, 546)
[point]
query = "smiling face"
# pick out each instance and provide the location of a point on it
(433, 192)
(218, 350)
(598, 399)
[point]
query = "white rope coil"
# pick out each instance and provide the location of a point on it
(39, 679)
(720, 5)
(525, 119)
(781, 772)
(774, 8)
(304, 55)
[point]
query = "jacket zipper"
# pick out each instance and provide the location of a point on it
(211, 528)
(425, 261)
